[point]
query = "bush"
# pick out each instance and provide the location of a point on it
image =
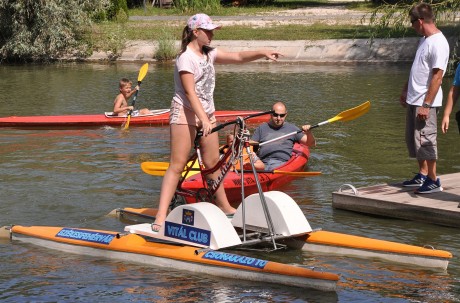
(135, 3)
(46, 30)
(166, 45)
(196, 5)
(115, 8)
(246, 2)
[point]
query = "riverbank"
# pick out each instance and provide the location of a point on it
(318, 51)
(321, 51)
(333, 51)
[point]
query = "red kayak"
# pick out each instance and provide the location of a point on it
(268, 181)
(157, 118)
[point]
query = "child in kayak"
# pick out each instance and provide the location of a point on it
(192, 107)
(120, 104)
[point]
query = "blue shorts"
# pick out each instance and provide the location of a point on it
(271, 164)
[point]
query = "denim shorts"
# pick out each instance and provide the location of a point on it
(271, 164)
(182, 115)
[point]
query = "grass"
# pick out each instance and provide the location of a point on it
(143, 30)
(110, 35)
(246, 10)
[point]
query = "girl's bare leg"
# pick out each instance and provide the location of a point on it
(182, 137)
(210, 153)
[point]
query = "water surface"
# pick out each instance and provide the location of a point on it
(75, 177)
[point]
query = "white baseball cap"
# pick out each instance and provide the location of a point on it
(201, 21)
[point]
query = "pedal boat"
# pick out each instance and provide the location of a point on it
(195, 237)
(322, 242)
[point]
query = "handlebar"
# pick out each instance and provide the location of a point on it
(237, 120)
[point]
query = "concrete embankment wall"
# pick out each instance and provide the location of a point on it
(321, 51)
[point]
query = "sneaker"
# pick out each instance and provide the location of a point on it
(416, 181)
(429, 186)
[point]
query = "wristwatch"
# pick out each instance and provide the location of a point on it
(426, 105)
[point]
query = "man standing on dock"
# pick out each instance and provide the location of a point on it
(422, 96)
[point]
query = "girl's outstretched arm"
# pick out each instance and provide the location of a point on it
(224, 57)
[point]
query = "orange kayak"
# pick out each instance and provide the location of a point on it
(268, 181)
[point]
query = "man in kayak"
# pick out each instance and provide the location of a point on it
(120, 104)
(278, 152)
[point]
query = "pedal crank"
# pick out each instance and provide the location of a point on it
(204, 195)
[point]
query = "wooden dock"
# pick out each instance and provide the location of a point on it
(394, 200)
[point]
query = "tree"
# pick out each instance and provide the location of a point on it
(45, 30)
(392, 16)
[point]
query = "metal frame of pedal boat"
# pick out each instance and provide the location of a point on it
(242, 141)
(205, 192)
(245, 144)
(258, 233)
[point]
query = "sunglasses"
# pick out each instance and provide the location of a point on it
(415, 20)
(278, 115)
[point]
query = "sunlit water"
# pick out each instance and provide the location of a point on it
(75, 177)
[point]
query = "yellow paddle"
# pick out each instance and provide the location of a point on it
(349, 114)
(292, 173)
(159, 169)
(142, 73)
(346, 115)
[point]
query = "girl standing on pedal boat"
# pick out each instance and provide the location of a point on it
(192, 107)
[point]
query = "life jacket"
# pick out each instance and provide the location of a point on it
(245, 156)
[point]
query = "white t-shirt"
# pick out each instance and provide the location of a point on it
(204, 74)
(432, 52)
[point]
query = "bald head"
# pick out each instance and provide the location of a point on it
(279, 116)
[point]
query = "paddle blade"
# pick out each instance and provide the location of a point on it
(352, 113)
(140, 77)
(154, 168)
(159, 173)
(142, 72)
(5, 232)
(126, 126)
(298, 173)
(159, 168)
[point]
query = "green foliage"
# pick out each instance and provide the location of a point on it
(404, 2)
(247, 2)
(383, 2)
(116, 7)
(197, 5)
(135, 3)
(45, 30)
(393, 16)
(167, 49)
(114, 41)
(121, 16)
